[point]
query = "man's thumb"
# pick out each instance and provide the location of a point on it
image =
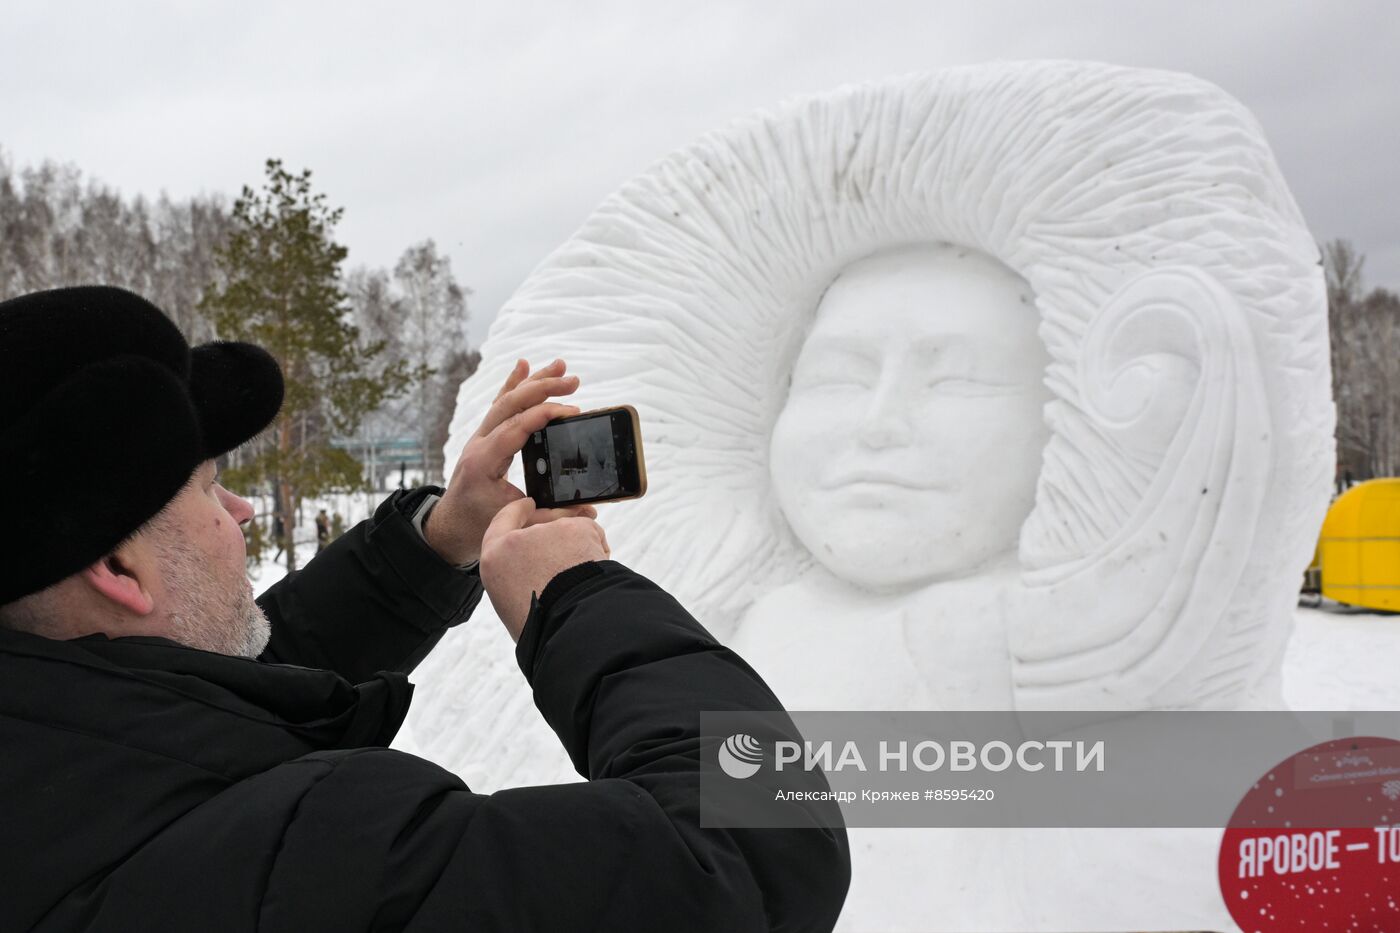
(541, 516)
(511, 517)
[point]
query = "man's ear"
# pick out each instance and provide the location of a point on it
(117, 577)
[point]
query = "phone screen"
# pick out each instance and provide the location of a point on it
(595, 457)
(582, 461)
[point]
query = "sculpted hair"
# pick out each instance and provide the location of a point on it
(699, 276)
(1179, 297)
(1180, 300)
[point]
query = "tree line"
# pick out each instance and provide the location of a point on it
(1364, 326)
(367, 354)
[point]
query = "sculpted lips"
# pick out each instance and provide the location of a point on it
(879, 478)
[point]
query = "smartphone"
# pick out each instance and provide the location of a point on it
(595, 456)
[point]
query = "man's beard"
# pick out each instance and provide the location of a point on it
(209, 613)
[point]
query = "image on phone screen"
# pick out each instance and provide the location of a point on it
(582, 460)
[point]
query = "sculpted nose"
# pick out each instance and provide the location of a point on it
(879, 433)
(886, 422)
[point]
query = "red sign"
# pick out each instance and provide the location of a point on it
(1315, 844)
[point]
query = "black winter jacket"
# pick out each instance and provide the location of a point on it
(148, 786)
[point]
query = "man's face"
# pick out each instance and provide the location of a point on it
(205, 593)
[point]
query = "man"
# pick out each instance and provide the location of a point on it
(323, 531)
(179, 756)
(279, 534)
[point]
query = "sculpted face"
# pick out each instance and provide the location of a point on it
(910, 443)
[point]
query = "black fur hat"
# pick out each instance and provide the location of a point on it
(105, 413)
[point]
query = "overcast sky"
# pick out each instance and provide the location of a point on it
(495, 127)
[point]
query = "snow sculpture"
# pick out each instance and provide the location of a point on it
(1002, 387)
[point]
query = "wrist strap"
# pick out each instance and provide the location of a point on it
(421, 515)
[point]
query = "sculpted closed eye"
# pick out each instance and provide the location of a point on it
(963, 386)
(838, 381)
(829, 375)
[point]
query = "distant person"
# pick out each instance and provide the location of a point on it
(323, 531)
(179, 756)
(279, 534)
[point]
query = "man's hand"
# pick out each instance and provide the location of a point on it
(525, 547)
(478, 488)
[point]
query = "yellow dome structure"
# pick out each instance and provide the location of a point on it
(1359, 550)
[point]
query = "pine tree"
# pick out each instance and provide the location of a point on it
(280, 287)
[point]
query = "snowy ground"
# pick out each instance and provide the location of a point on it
(1343, 658)
(353, 507)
